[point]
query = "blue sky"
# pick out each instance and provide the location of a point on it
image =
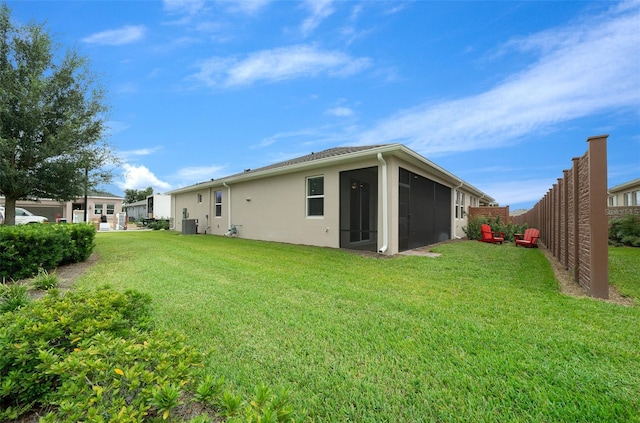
(502, 94)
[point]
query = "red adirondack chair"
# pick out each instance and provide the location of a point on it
(489, 236)
(529, 239)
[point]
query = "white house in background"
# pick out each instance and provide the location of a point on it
(384, 198)
(156, 206)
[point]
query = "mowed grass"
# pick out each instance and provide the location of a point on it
(624, 270)
(478, 334)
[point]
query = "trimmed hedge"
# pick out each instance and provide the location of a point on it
(25, 249)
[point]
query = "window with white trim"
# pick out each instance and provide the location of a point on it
(97, 209)
(315, 196)
(111, 208)
(627, 199)
(218, 203)
(459, 205)
(636, 198)
(199, 198)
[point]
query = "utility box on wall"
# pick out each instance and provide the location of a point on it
(189, 226)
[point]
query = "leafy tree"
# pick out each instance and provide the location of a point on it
(51, 119)
(133, 195)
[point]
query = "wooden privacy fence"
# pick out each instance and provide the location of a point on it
(486, 212)
(573, 221)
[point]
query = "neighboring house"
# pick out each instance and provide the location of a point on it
(383, 198)
(99, 203)
(624, 199)
(627, 194)
(156, 206)
(136, 211)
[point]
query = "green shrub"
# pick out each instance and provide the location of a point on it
(160, 224)
(473, 228)
(625, 231)
(25, 249)
(13, 296)
(82, 242)
(45, 280)
(51, 327)
(93, 356)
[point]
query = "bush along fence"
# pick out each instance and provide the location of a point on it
(573, 222)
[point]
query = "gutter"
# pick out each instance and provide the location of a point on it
(385, 206)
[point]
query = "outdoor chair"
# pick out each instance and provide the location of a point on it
(489, 236)
(529, 239)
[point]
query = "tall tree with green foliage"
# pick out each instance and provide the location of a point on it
(52, 119)
(133, 195)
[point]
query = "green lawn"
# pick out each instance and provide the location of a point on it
(478, 334)
(624, 270)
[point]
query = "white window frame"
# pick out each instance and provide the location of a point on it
(459, 205)
(627, 199)
(217, 204)
(199, 198)
(97, 209)
(636, 198)
(309, 196)
(111, 209)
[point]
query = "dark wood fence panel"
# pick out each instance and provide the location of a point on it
(573, 222)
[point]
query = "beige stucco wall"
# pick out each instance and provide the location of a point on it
(274, 208)
(271, 209)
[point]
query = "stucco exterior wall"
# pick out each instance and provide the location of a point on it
(273, 207)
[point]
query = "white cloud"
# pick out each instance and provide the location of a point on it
(340, 111)
(587, 68)
(318, 137)
(320, 10)
(125, 35)
(518, 191)
(128, 154)
(249, 7)
(199, 173)
(189, 7)
(113, 127)
(277, 65)
(140, 177)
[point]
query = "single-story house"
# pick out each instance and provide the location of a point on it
(627, 194)
(136, 211)
(156, 206)
(384, 198)
(99, 203)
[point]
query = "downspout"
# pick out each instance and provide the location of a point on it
(173, 213)
(229, 203)
(385, 206)
(454, 205)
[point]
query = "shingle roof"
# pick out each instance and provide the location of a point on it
(331, 152)
(98, 193)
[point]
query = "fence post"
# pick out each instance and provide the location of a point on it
(576, 221)
(598, 222)
(565, 218)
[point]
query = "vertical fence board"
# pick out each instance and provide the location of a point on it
(573, 222)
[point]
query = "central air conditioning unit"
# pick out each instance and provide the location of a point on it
(189, 226)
